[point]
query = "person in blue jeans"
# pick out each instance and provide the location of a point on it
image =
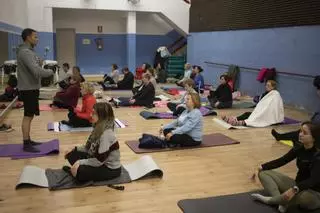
(187, 129)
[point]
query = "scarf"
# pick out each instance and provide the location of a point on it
(93, 142)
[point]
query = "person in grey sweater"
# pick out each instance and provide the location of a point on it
(187, 129)
(30, 73)
(99, 158)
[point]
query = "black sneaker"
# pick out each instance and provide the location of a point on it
(30, 148)
(33, 143)
(275, 134)
(65, 122)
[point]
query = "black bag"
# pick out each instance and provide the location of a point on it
(149, 142)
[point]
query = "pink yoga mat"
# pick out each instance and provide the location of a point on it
(208, 141)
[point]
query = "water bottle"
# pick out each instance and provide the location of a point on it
(161, 132)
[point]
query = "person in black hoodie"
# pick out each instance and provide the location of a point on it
(221, 98)
(144, 96)
(127, 81)
(304, 191)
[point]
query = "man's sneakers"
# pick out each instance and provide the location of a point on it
(28, 146)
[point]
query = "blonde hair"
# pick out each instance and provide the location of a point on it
(273, 83)
(195, 99)
(88, 87)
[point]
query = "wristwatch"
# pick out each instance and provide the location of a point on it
(296, 189)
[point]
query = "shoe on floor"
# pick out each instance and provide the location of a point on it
(30, 148)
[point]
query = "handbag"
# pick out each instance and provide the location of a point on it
(150, 141)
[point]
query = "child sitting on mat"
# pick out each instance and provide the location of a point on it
(99, 158)
(68, 97)
(83, 117)
(315, 119)
(269, 110)
(304, 191)
(221, 98)
(187, 129)
(177, 107)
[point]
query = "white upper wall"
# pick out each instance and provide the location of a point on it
(87, 21)
(40, 11)
(113, 22)
(14, 12)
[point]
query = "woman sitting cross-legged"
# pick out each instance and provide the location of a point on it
(304, 191)
(68, 97)
(143, 97)
(187, 129)
(315, 119)
(268, 111)
(221, 98)
(99, 158)
(83, 117)
(113, 78)
(177, 107)
(198, 79)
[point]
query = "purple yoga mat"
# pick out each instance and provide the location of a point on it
(15, 151)
(290, 121)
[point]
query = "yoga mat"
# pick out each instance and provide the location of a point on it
(57, 179)
(287, 142)
(236, 203)
(208, 141)
(243, 104)
(224, 124)
(15, 151)
(47, 108)
(165, 115)
(59, 127)
(163, 97)
(167, 87)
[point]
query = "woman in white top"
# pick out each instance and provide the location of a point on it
(114, 76)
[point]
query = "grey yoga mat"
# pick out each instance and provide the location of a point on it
(57, 179)
(236, 203)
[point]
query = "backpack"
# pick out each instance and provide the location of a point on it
(149, 142)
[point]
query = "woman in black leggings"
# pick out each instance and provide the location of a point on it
(315, 119)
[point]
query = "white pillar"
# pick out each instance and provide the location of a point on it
(131, 40)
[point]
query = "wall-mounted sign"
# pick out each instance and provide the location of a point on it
(86, 41)
(100, 29)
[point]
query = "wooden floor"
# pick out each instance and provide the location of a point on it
(187, 173)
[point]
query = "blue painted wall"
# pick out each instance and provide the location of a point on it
(131, 51)
(93, 61)
(45, 40)
(147, 46)
(294, 50)
(116, 50)
(14, 39)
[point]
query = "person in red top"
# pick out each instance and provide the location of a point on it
(83, 117)
(69, 96)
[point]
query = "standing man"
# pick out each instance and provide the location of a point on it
(30, 73)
